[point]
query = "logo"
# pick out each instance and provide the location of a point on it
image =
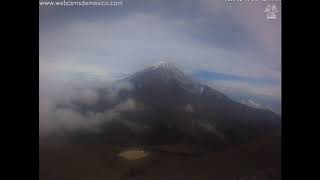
(271, 11)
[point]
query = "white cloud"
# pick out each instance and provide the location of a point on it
(54, 68)
(131, 42)
(248, 88)
(255, 95)
(85, 96)
(54, 92)
(252, 103)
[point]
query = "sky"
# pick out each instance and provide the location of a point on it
(231, 46)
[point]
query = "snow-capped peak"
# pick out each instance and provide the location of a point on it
(163, 64)
(165, 71)
(168, 70)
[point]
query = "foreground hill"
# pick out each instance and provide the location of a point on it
(64, 161)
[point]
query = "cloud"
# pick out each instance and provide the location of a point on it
(86, 96)
(115, 88)
(130, 42)
(63, 69)
(249, 88)
(253, 103)
(59, 103)
(72, 120)
(259, 95)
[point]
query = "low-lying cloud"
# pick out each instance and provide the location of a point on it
(59, 103)
(72, 120)
(263, 96)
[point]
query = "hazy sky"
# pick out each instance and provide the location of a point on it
(228, 45)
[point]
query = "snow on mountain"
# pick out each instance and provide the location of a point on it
(168, 72)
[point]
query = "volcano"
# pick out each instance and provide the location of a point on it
(171, 107)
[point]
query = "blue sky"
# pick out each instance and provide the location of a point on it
(230, 46)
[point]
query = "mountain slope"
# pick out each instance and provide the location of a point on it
(171, 107)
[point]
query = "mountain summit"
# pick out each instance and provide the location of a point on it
(163, 64)
(165, 74)
(164, 69)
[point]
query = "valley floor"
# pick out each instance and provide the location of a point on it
(260, 160)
